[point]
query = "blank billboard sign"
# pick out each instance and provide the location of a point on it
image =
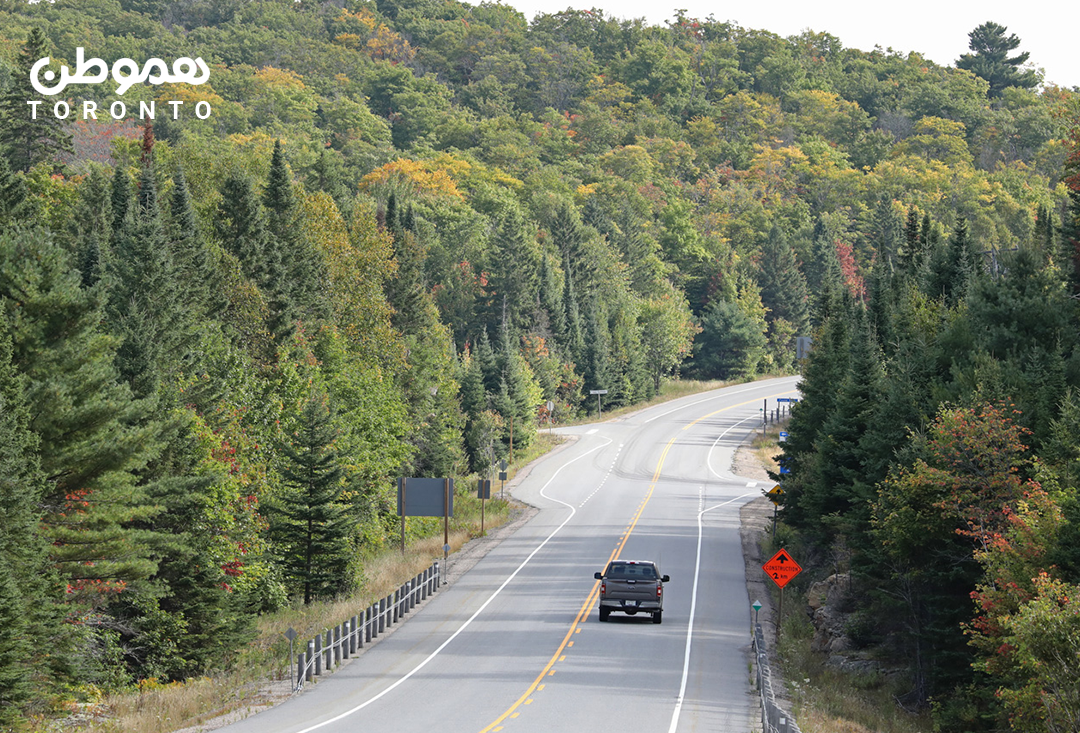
(425, 497)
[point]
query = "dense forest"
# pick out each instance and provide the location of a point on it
(382, 236)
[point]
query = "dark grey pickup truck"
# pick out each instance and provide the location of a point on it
(632, 586)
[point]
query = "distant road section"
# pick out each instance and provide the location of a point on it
(516, 645)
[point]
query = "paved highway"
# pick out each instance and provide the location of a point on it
(515, 644)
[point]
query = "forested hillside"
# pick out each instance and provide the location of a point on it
(382, 236)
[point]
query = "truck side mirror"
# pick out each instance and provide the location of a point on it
(598, 576)
(665, 579)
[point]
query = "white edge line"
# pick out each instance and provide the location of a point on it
(697, 573)
(693, 610)
(708, 459)
(465, 625)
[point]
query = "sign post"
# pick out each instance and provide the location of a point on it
(781, 568)
(483, 492)
(447, 493)
(598, 392)
(774, 495)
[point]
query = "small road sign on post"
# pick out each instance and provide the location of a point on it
(774, 495)
(781, 568)
(598, 392)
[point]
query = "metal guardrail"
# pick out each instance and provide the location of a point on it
(774, 719)
(328, 649)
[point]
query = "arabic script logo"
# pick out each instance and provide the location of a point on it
(125, 73)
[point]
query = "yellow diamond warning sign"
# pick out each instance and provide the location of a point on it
(781, 568)
(774, 494)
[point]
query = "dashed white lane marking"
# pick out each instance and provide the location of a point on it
(603, 480)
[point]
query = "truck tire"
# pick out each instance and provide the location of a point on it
(604, 614)
(658, 617)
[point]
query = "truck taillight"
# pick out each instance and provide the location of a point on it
(659, 590)
(603, 587)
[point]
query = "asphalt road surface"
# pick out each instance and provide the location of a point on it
(516, 645)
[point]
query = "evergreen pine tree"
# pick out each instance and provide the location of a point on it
(991, 61)
(484, 356)
(474, 402)
(836, 499)
(513, 279)
(296, 284)
(93, 225)
(572, 341)
(407, 290)
(27, 141)
(1069, 233)
(730, 345)
(22, 553)
(15, 204)
(93, 435)
(570, 237)
(241, 228)
(886, 233)
(1045, 235)
(826, 367)
(783, 287)
(142, 307)
(598, 367)
(198, 280)
(962, 262)
(823, 268)
(912, 245)
(553, 316)
(120, 199)
(308, 524)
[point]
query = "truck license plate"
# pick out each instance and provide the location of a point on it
(630, 604)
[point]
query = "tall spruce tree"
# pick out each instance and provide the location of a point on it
(22, 552)
(406, 291)
(823, 268)
(93, 435)
(572, 340)
(143, 307)
(296, 285)
(836, 500)
(241, 228)
(514, 273)
(198, 279)
(825, 369)
(27, 141)
(783, 286)
(308, 524)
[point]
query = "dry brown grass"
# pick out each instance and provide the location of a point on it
(766, 448)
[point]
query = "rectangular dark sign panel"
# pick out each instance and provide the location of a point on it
(425, 497)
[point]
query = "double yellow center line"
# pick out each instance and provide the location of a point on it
(537, 684)
(586, 607)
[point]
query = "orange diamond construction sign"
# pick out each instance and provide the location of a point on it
(781, 568)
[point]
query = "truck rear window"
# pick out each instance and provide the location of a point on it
(632, 572)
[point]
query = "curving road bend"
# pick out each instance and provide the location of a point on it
(515, 644)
